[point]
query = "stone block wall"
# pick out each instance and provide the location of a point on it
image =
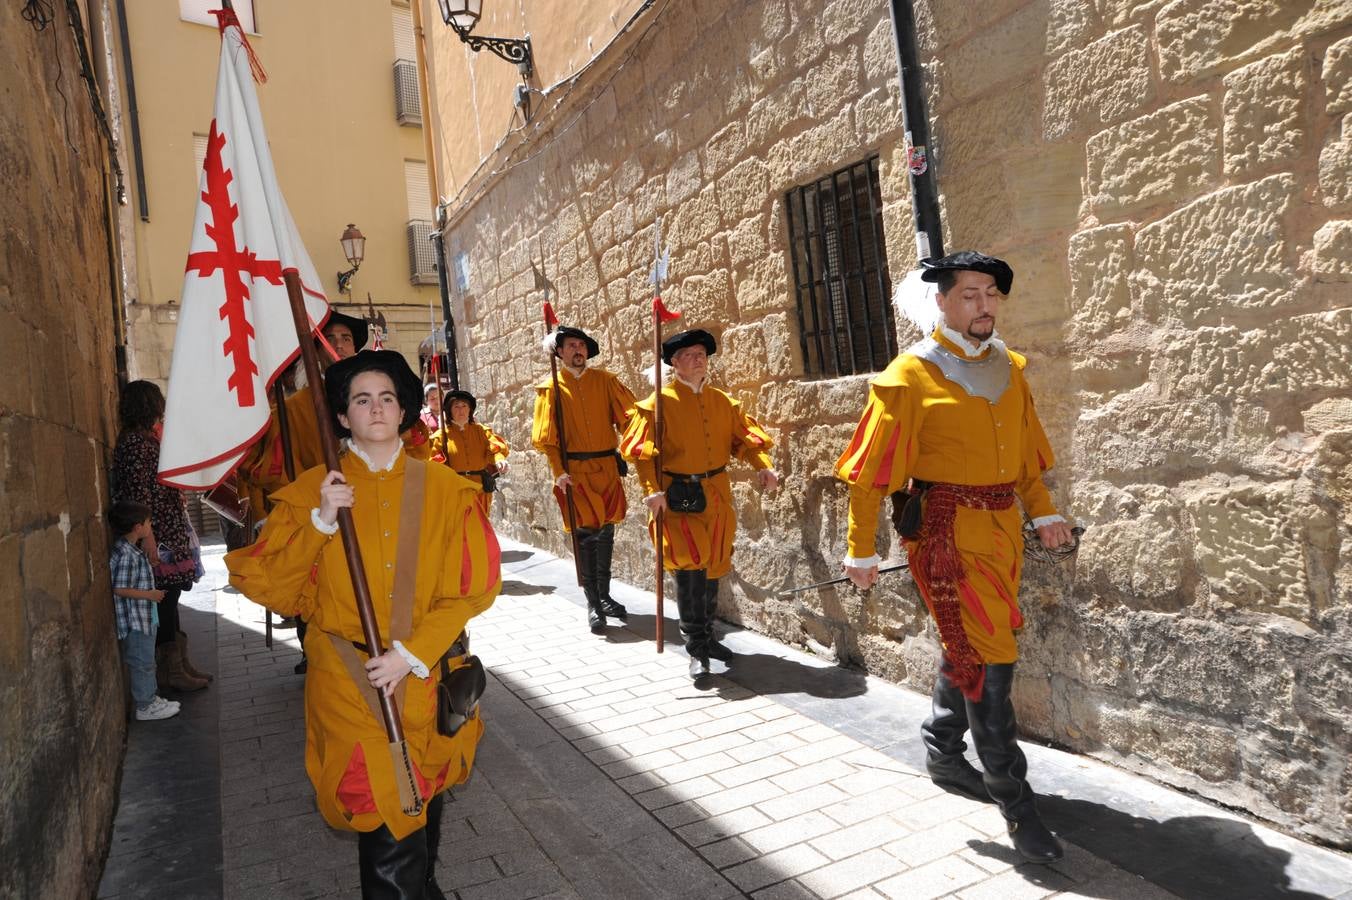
(62, 708)
(1169, 181)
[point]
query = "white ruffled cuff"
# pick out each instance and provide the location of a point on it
(413, 662)
(1047, 520)
(867, 562)
(320, 524)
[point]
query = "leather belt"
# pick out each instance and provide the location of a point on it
(459, 647)
(593, 454)
(698, 476)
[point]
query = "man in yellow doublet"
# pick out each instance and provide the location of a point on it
(952, 421)
(469, 448)
(593, 407)
(296, 567)
(703, 429)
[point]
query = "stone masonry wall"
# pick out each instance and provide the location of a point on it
(1169, 181)
(62, 712)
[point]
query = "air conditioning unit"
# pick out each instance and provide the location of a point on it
(422, 256)
(407, 105)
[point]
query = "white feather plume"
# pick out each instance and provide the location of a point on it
(549, 344)
(918, 302)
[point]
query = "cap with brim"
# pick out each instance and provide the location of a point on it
(695, 337)
(452, 396)
(361, 332)
(407, 386)
(564, 331)
(969, 261)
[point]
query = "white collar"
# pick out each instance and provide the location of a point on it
(696, 386)
(577, 374)
(964, 343)
(389, 466)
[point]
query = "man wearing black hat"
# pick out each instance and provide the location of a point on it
(297, 568)
(702, 430)
(953, 418)
(470, 448)
(592, 406)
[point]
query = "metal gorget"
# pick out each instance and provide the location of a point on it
(987, 377)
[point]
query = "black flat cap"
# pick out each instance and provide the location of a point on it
(407, 386)
(452, 396)
(969, 261)
(695, 337)
(361, 332)
(564, 331)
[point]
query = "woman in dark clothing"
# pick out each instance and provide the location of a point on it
(134, 477)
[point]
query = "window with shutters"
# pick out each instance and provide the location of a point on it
(196, 11)
(422, 260)
(842, 288)
(199, 155)
(407, 103)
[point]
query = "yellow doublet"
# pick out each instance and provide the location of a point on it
(918, 424)
(595, 406)
(701, 432)
(470, 449)
(294, 568)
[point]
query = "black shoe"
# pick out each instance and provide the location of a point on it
(302, 666)
(1034, 840)
(614, 610)
(719, 651)
(595, 621)
(958, 776)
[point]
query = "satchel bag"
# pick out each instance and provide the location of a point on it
(686, 495)
(908, 510)
(459, 690)
(490, 481)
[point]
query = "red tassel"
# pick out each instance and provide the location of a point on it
(551, 320)
(664, 314)
(226, 18)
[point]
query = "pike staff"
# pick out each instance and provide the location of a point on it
(660, 314)
(569, 505)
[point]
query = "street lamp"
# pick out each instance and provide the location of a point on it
(354, 249)
(463, 15)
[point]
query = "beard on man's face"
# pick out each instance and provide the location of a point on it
(981, 328)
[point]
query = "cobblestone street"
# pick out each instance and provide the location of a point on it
(606, 773)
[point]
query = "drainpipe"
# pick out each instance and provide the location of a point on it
(929, 233)
(138, 159)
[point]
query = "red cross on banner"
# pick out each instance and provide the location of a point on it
(235, 331)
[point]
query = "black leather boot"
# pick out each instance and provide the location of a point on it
(586, 561)
(390, 869)
(690, 606)
(995, 733)
(433, 890)
(716, 649)
(605, 548)
(944, 746)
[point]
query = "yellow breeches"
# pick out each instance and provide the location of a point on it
(991, 548)
(700, 540)
(598, 494)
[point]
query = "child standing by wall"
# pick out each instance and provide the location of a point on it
(134, 599)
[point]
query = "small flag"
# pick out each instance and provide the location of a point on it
(551, 320)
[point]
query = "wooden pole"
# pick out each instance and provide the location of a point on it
(659, 518)
(569, 507)
(347, 528)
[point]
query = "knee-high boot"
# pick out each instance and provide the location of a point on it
(717, 650)
(390, 869)
(433, 891)
(605, 549)
(942, 733)
(995, 733)
(586, 561)
(187, 663)
(690, 587)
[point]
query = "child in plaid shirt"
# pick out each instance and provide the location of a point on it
(134, 599)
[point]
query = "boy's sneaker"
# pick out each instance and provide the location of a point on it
(158, 708)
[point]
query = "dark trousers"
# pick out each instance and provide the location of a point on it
(168, 610)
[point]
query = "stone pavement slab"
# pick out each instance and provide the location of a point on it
(605, 772)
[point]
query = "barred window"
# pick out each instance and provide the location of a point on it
(841, 283)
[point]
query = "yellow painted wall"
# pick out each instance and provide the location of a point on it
(473, 91)
(329, 109)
